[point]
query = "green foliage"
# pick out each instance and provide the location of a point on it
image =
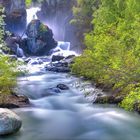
(43, 28)
(113, 48)
(131, 99)
(7, 74)
(28, 3)
(2, 26)
(7, 66)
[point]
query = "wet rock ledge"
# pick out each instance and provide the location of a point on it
(14, 101)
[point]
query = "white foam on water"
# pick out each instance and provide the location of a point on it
(31, 14)
(63, 49)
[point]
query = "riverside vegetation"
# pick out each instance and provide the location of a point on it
(112, 38)
(8, 67)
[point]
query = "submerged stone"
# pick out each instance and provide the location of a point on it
(62, 87)
(51, 92)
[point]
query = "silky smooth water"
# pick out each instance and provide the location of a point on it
(68, 115)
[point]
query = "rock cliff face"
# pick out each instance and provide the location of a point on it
(15, 11)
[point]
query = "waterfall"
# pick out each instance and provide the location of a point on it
(63, 49)
(63, 45)
(20, 52)
(31, 14)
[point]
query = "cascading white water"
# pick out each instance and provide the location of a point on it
(31, 14)
(20, 52)
(63, 49)
(64, 45)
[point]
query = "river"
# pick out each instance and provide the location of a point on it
(68, 115)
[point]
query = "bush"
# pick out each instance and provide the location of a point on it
(113, 48)
(8, 67)
(7, 74)
(131, 99)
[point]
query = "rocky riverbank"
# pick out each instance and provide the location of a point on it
(13, 101)
(115, 98)
(63, 65)
(109, 95)
(10, 122)
(57, 64)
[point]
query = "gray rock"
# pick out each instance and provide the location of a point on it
(62, 87)
(58, 69)
(60, 64)
(57, 58)
(9, 122)
(12, 44)
(39, 39)
(70, 57)
(109, 99)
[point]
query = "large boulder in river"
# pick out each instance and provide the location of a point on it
(15, 11)
(58, 14)
(9, 122)
(39, 39)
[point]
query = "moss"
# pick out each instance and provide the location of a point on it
(28, 3)
(43, 28)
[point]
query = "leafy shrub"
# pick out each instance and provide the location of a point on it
(8, 71)
(28, 2)
(7, 74)
(112, 56)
